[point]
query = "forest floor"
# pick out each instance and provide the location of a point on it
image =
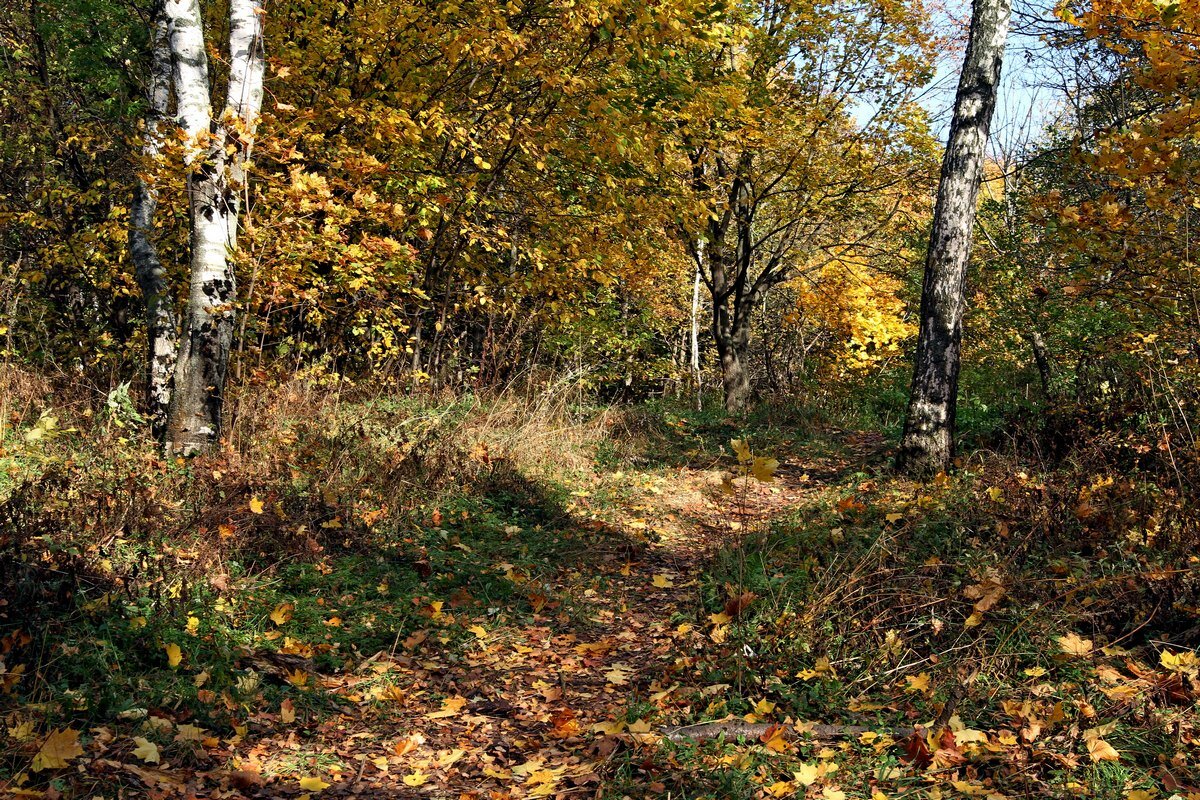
(851, 632)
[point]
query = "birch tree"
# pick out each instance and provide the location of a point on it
(162, 323)
(216, 155)
(928, 441)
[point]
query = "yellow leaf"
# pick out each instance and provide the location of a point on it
(313, 784)
(995, 494)
(609, 728)
(663, 581)
(720, 619)
(808, 774)
(893, 518)
(833, 794)
(639, 726)
(741, 450)
(448, 758)
(189, 733)
(193, 625)
(781, 789)
(1072, 644)
(764, 469)
(415, 778)
(174, 654)
(256, 505)
(967, 736)
(764, 707)
(59, 748)
(917, 683)
(282, 613)
(775, 739)
(450, 707)
(479, 631)
(146, 750)
(1101, 750)
(287, 712)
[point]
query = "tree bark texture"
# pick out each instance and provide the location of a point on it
(927, 445)
(162, 325)
(216, 182)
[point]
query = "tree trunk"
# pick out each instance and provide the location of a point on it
(928, 442)
(215, 188)
(162, 326)
(1042, 358)
(695, 337)
(732, 335)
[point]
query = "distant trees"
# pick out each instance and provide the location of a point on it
(780, 178)
(927, 445)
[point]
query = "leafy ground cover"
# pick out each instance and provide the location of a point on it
(399, 600)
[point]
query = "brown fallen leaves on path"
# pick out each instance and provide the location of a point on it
(526, 710)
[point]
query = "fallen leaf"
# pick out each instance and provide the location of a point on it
(450, 707)
(1101, 750)
(174, 654)
(1072, 644)
(60, 747)
(282, 613)
(313, 784)
(146, 750)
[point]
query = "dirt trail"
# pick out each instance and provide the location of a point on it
(533, 709)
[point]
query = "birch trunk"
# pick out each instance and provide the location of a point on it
(928, 442)
(695, 339)
(162, 326)
(215, 186)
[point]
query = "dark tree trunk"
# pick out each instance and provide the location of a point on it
(928, 442)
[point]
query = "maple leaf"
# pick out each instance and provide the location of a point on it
(1072, 644)
(282, 613)
(256, 505)
(781, 789)
(774, 739)
(451, 706)
(809, 773)
(189, 733)
(917, 683)
(287, 711)
(416, 778)
(60, 747)
(662, 581)
(764, 469)
(312, 783)
(146, 750)
(742, 450)
(618, 675)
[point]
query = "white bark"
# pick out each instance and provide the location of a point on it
(161, 322)
(215, 186)
(928, 442)
(696, 323)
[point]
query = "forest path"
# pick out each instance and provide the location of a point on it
(536, 706)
